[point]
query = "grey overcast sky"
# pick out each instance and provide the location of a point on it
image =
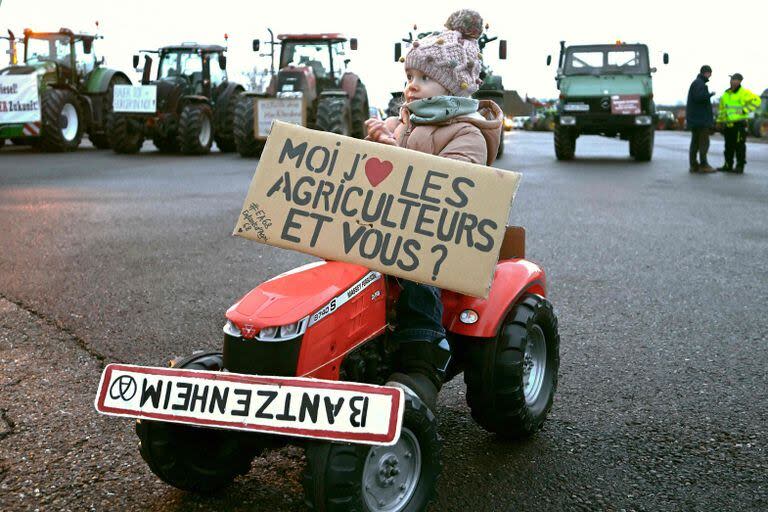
(729, 37)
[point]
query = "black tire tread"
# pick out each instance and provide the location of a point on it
(565, 143)
(641, 144)
(51, 140)
(243, 128)
(331, 114)
(190, 124)
(360, 113)
(124, 134)
(494, 371)
(225, 136)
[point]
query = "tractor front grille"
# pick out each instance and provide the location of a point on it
(256, 357)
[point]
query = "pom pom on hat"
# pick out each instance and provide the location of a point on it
(466, 21)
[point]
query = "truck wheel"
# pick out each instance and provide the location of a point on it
(244, 127)
(99, 138)
(511, 379)
(333, 115)
(194, 459)
(124, 134)
(565, 143)
(225, 138)
(398, 478)
(62, 129)
(641, 144)
(195, 134)
(360, 113)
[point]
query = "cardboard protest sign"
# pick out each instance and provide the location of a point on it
(314, 408)
(19, 100)
(404, 213)
(286, 109)
(135, 98)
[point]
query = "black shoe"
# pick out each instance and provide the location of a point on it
(693, 168)
(725, 168)
(739, 169)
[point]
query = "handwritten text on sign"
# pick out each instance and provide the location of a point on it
(19, 99)
(135, 98)
(341, 411)
(289, 110)
(401, 212)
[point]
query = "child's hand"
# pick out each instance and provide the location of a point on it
(378, 132)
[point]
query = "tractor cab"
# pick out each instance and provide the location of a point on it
(199, 69)
(312, 63)
(66, 57)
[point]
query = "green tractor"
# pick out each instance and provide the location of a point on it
(189, 105)
(605, 89)
(313, 77)
(60, 92)
(759, 125)
(492, 87)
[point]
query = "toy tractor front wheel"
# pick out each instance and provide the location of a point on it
(62, 128)
(195, 459)
(398, 478)
(511, 380)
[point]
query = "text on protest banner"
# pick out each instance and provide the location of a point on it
(288, 109)
(429, 219)
(19, 99)
(339, 411)
(135, 98)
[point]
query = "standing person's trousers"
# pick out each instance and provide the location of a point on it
(736, 143)
(699, 146)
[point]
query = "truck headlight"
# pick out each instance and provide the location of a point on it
(643, 120)
(567, 120)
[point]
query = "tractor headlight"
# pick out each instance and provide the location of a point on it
(643, 120)
(468, 316)
(567, 120)
(283, 332)
(231, 329)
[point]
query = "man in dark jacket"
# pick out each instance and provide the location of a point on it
(698, 114)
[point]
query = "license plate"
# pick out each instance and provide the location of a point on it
(312, 408)
(576, 107)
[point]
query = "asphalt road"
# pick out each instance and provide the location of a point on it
(659, 278)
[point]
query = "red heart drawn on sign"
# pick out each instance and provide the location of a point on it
(377, 171)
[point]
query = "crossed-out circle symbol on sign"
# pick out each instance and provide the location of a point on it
(124, 387)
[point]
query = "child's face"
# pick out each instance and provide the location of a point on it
(420, 86)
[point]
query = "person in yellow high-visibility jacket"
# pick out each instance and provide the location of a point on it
(736, 104)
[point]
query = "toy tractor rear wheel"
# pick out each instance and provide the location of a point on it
(360, 112)
(641, 144)
(125, 134)
(333, 115)
(565, 143)
(195, 459)
(195, 134)
(62, 127)
(245, 141)
(511, 380)
(398, 478)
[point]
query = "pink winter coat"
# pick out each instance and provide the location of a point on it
(471, 138)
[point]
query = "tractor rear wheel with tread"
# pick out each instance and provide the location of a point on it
(195, 134)
(243, 126)
(360, 112)
(100, 138)
(333, 115)
(62, 127)
(565, 143)
(398, 478)
(225, 135)
(195, 459)
(511, 379)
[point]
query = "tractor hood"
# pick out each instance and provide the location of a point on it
(291, 296)
(605, 85)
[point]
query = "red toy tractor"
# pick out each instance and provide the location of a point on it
(331, 320)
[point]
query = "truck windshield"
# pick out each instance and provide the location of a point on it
(47, 48)
(620, 60)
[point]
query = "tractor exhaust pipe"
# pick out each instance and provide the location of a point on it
(145, 74)
(562, 55)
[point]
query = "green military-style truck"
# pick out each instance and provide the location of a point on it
(605, 89)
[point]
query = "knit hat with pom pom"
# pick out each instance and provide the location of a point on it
(451, 57)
